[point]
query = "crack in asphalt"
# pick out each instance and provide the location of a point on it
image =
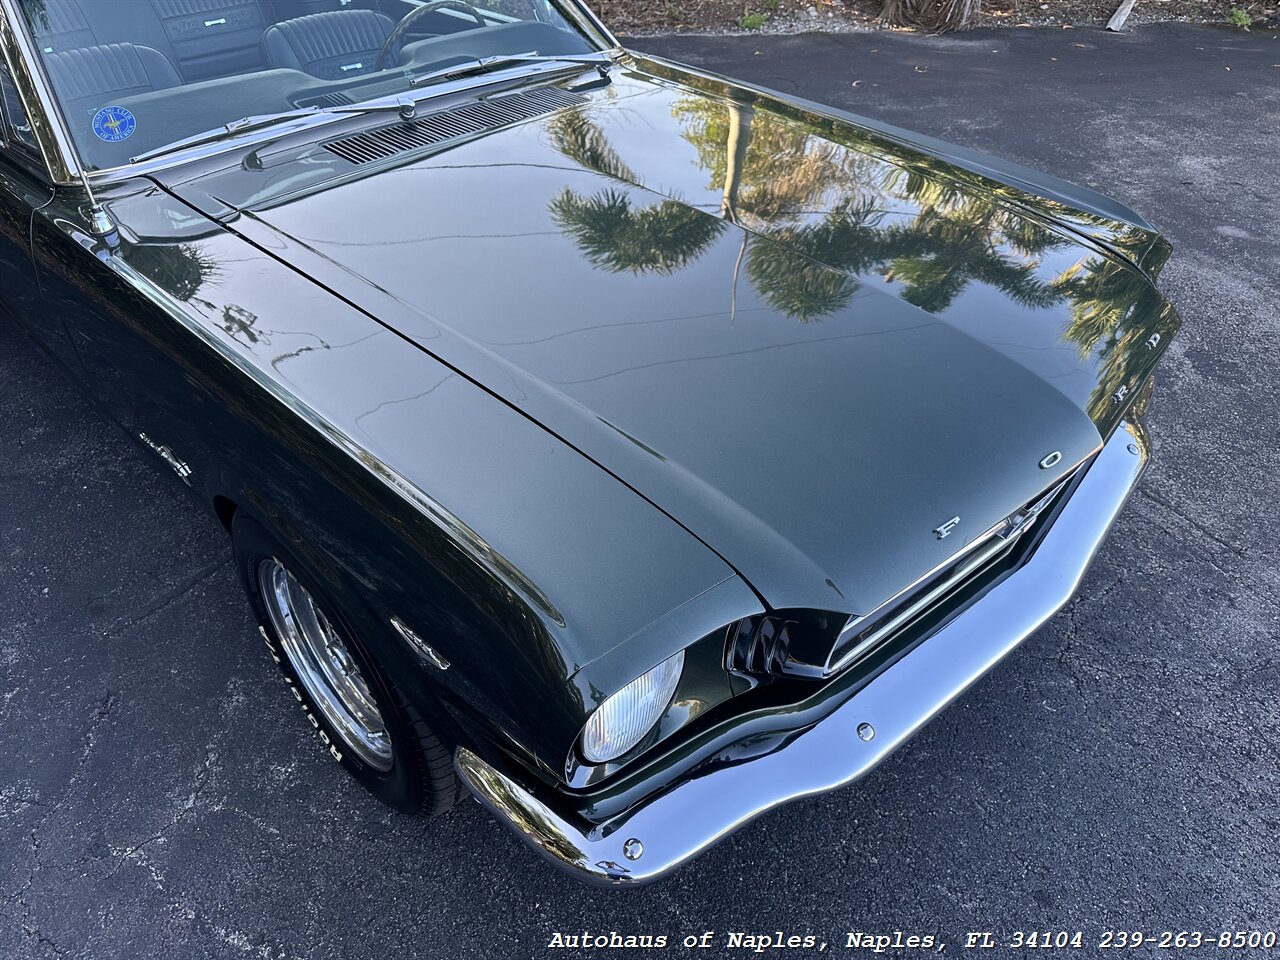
(168, 599)
(201, 781)
(1242, 575)
(43, 940)
(1064, 655)
(1191, 521)
(102, 710)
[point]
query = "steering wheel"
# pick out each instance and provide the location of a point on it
(417, 14)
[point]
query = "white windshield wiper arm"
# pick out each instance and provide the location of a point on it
(601, 61)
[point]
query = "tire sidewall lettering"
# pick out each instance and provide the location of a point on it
(328, 743)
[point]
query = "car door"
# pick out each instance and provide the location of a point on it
(24, 188)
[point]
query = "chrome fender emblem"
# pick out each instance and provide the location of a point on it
(1052, 460)
(944, 531)
(177, 466)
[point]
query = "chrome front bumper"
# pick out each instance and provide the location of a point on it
(659, 834)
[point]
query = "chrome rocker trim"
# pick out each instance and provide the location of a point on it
(659, 834)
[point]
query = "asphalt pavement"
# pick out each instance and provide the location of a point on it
(161, 796)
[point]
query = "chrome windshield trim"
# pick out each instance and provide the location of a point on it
(587, 20)
(44, 113)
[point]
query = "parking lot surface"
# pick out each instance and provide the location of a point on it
(162, 796)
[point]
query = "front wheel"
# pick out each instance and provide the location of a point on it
(361, 718)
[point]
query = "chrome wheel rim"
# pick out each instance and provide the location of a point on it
(324, 665)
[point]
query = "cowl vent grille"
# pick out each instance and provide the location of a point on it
(451, 124)
(336, 99)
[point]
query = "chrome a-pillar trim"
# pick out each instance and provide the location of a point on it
(587, 20)
(51, 135)
(679, 823)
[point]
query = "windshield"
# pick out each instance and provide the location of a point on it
(134, 76)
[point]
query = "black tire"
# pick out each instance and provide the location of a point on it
(421, 778)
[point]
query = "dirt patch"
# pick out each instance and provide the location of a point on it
(797, 16)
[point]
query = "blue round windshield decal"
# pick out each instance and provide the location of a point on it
(113, 124)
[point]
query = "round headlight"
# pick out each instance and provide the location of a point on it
(622, 720)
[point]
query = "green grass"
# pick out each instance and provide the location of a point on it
(753, 21)
(1240, 18)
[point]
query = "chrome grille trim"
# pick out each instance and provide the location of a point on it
(791, 644)
(984, 552)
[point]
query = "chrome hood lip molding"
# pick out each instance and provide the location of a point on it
(659, 834)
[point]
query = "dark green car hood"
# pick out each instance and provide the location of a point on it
(807, 341)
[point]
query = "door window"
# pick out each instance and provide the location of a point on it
(16, 127)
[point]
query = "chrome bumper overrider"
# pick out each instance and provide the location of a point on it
(659, 834)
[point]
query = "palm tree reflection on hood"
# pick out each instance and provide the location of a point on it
(613, 234)
(661, 238)
(947, 247)
(580, 139)
(792, 271)
(665, 236)
(819, 217)
(1113, 305)
(770, 176)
